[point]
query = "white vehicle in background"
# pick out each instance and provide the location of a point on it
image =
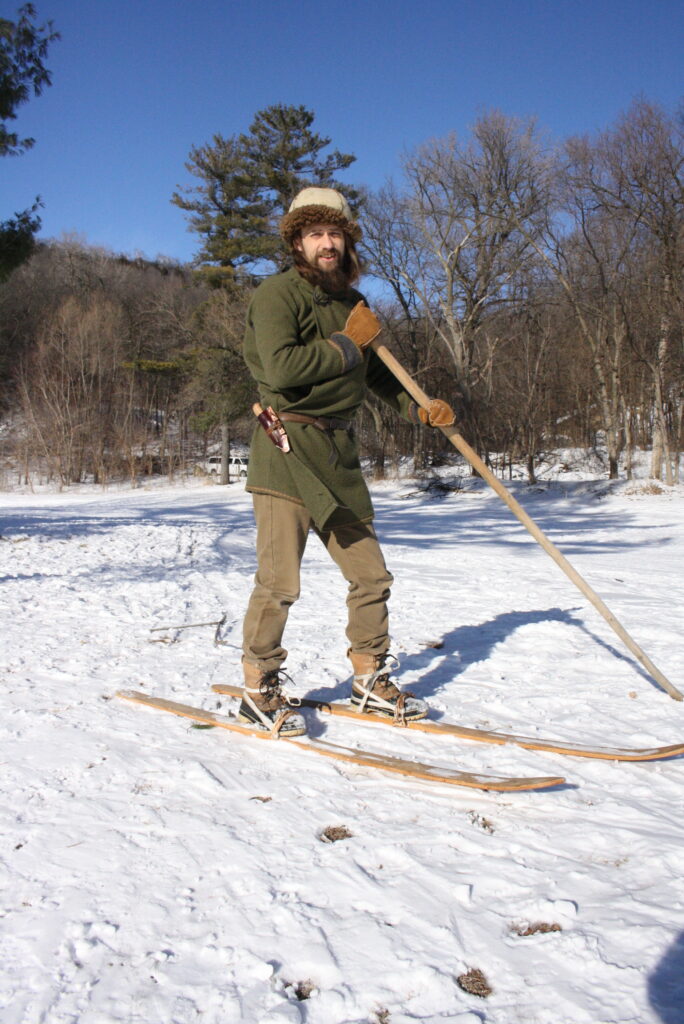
(237, 465)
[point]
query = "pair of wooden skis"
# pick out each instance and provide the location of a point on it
(411, 769)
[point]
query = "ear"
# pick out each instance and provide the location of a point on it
(297, 242)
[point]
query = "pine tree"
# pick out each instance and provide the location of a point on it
(17, 239)
(248, 181)
(23, 48)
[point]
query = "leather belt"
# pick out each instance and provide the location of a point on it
(325, 423)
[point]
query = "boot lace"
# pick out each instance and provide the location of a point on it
(274, 692)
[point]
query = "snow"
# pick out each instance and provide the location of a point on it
(155, 872)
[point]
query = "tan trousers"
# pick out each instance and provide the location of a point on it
(282, 531)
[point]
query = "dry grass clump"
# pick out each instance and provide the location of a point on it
(537, 928)
(333, 834)
(649, 488)
(303, 989)
(475, 983)
(484, 823)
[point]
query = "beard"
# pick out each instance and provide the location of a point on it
(334, 281)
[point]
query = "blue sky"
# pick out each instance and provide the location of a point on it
(137, 83)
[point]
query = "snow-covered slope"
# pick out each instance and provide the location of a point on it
(154, 872)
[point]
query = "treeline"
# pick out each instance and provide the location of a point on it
(538, 288)
(552, 280)
(114, 367)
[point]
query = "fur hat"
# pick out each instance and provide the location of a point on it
(318, 206)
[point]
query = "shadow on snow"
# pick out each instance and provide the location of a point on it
(666, 984)
(444, 661)
(485, 519)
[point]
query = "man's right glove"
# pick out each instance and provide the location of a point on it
(437, 414)
(362, 326)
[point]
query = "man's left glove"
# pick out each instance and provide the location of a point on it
(437, 414)
(362, 326)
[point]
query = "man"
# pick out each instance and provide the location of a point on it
(307, 346)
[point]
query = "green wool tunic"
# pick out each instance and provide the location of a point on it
(299, 368)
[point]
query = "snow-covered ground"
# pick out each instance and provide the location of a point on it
(155, 873)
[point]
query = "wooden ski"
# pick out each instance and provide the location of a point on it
(484, 735)
(366, 758)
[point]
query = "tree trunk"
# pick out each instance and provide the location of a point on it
(225, 454)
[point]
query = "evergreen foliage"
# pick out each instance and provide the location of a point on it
(23, 48)
(17, 239)
(248, 181)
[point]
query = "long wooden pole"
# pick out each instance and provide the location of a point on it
(476, 462)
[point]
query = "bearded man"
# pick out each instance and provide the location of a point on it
(307, 346)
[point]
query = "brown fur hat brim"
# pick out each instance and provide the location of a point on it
(292, 223)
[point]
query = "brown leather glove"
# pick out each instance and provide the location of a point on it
(437, 414)
(362, 326)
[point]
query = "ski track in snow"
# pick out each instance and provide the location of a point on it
(155, 872)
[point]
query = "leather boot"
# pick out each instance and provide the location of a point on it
(374, 692)
(265, 706)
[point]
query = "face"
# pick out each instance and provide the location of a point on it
(322, 246)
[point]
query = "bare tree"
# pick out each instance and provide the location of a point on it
(455, 236)
(643, 180)
(616, 196)
(68, 388)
